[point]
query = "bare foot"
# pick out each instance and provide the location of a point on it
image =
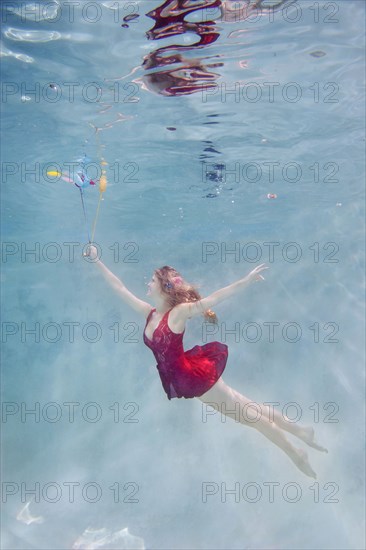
(307, 435)
(301, 460)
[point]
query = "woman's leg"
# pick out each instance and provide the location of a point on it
(305, 433)
(225, 399)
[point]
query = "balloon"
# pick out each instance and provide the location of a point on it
(102, 183)
(66, 178)
(84, 160)
(82, 181)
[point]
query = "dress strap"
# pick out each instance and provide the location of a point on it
(150, 313)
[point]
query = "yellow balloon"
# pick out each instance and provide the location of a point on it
(54, 173)
(102, 183)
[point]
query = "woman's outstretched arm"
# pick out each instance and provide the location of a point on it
(186, 311)
(130, 299)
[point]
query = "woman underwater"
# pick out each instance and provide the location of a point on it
(197, 372)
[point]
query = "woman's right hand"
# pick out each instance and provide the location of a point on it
(91, 252)
(255, 274)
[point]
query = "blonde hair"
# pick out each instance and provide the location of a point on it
(178, 291)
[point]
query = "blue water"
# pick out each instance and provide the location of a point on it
(194, 172)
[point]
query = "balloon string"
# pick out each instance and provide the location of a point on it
(96, 217)
(102, 184)
(84, 210)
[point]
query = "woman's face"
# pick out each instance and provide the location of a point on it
(153, 287)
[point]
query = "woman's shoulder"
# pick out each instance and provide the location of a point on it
(181, 312)
(176, 321)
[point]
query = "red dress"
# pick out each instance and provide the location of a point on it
(185, 373)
